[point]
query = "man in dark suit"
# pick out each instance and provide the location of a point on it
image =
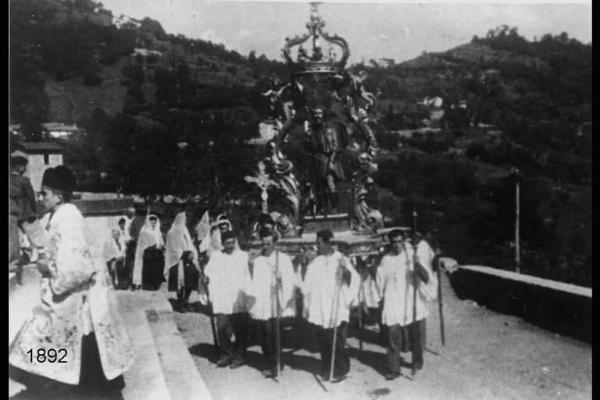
(22, 207)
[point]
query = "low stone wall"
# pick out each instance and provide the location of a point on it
(559, 307)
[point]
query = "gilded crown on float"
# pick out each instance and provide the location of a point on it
(318, 60)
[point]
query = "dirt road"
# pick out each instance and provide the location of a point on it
(487, 356)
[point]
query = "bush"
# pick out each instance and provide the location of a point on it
(91, 80)
(476, 150)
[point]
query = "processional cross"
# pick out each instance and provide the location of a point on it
(262, 180)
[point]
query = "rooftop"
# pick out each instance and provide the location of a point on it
(39, 147)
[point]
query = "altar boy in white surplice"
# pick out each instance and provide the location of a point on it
(330, 286)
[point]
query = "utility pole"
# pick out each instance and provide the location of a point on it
(516, 175)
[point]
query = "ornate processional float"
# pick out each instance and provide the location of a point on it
(327, 109)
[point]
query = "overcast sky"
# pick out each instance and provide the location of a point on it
(373, 30)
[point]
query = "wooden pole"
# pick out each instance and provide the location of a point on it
(438, 270)
(335, 315)
(415, 283)
(360, 321)
(517, 233)
(277, 319)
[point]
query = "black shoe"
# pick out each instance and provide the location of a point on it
(390, 376)
(223, 362)
(270, 372)
(236, 364)
(419, 365)
(338, 378)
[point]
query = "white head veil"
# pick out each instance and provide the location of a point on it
(179, 240)
(148, 237)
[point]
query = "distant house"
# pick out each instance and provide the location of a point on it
(386, 62)
(435, 102)
(40, 156)
(456, 151)
(14, 130)
(125, 22)
(60, 129)
(146, 52)
(404, 133)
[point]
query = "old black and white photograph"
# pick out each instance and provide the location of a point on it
(281, 200)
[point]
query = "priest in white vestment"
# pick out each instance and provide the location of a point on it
(75, 334)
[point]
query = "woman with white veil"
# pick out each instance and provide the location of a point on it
(181, 260)
(149, 257)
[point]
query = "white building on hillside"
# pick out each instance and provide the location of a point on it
(60, 129)
(40, 157)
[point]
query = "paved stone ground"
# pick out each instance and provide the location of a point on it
(487, 356)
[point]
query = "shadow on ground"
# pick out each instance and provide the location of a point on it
(40, 388)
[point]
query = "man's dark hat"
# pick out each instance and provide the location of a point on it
(18, 158)
(59, 178)
(265, 219)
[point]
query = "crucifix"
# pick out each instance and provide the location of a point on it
(262, 180)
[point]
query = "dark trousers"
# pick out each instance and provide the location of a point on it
(129, 261)
(404, 339)
(325, 340)
(236, 324)
(13, 239)
(266, 332)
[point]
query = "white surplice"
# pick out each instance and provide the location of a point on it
(395, 278)
(262, 288)
(320, 284)
(229, 280)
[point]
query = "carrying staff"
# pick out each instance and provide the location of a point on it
(211, 313)
(276, 285)
(336, 299)
(415, 284)
(360, 320)
(438, 269)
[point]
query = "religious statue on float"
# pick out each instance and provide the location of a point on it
(329, 107)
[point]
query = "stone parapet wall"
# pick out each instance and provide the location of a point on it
(559, 307)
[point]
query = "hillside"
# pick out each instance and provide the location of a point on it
(69, 57)
(140, 92)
